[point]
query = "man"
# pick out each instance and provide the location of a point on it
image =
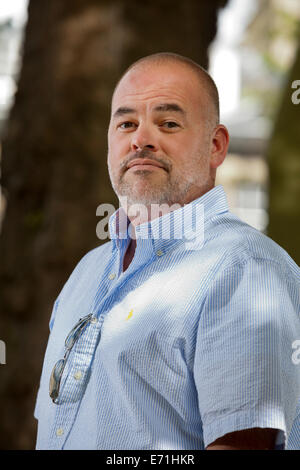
(172, 342)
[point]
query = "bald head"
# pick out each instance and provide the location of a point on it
(206, 83)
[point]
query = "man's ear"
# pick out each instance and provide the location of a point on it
(220, 143)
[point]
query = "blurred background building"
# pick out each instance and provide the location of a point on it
(254, 48)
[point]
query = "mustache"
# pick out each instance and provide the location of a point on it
(144, 153)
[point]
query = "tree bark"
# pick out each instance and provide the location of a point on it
(284, 163)
(54, 172)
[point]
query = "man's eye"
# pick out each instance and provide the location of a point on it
(170, 124)
(126, 125)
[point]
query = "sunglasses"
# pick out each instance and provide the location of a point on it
(58, 369)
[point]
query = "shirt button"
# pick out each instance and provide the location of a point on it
(112, 276)
(59, 432)
(159, 253)
(78, 375)
(94, 320)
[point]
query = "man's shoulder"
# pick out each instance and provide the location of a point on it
(98, 252)
(86, 271)
(90, 263)
(242, 243)
(93, 257)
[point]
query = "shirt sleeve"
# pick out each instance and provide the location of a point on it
(294, 436)
(243, 368)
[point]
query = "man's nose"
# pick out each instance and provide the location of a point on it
(143, 138)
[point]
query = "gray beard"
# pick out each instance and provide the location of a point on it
(170, 193)
(173, 191)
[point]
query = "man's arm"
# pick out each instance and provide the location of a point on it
(247, 439)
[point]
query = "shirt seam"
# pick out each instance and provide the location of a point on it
(238, 421)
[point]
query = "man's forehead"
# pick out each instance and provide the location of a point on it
(171, 79)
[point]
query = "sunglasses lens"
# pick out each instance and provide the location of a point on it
(55, 379)
(76, 332)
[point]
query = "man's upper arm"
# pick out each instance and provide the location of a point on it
(247, 439)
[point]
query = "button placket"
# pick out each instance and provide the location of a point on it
(63, 424)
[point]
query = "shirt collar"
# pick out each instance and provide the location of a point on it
(173, 227)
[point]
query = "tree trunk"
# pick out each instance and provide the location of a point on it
(284, 163)
(54, 163)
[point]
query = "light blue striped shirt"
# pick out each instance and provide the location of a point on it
(190, 343)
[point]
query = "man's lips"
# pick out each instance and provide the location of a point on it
(144, 161)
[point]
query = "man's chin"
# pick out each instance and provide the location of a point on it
(142, 198)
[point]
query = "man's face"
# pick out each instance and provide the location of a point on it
(160, 116)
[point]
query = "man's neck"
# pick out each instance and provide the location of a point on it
(128, 257)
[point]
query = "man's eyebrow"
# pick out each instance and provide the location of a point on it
(123, 110)
(165, 107)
